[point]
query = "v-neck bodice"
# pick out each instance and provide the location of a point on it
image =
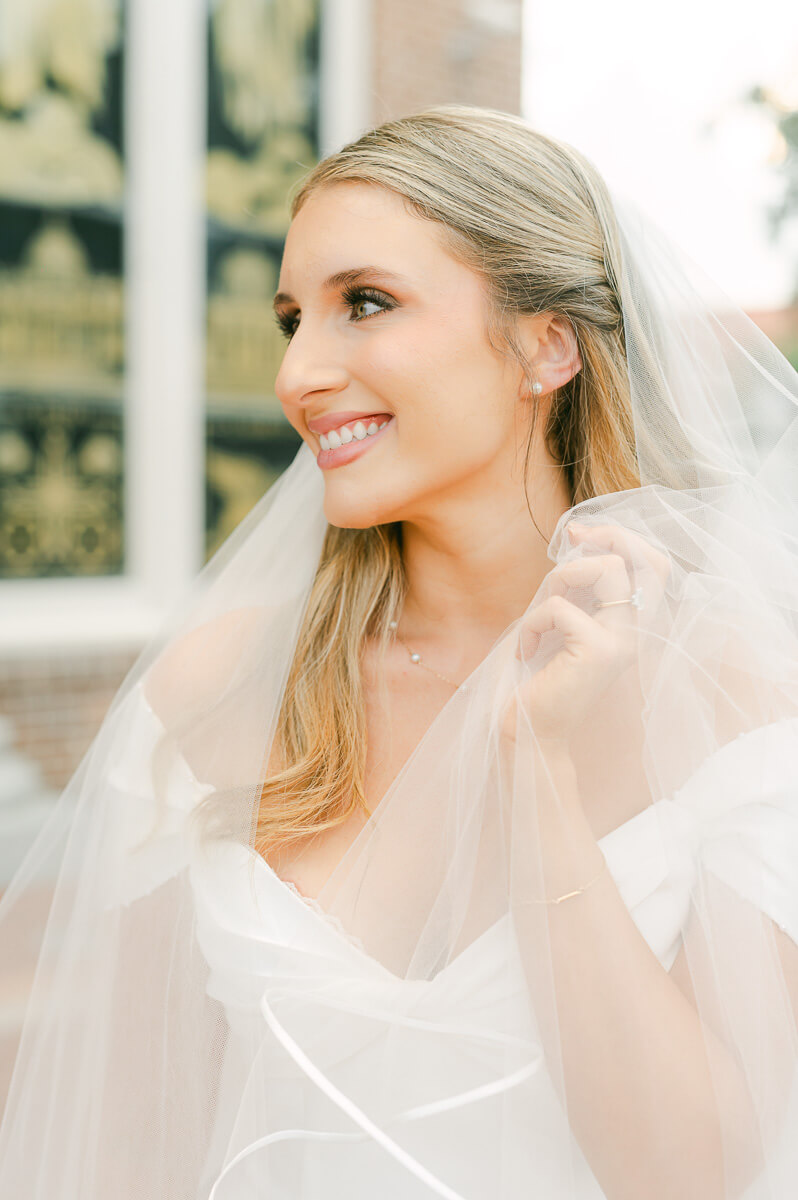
(333, 1060)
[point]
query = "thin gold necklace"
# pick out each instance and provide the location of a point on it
(415, 657)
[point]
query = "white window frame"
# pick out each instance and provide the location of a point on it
(164, 393)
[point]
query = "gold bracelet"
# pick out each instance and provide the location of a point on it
(568, 895)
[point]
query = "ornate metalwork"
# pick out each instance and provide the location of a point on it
(244, 457)
(262, 135)
(61, 295)
(263, 96)
(61, 492)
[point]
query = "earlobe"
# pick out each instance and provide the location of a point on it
(553, 351)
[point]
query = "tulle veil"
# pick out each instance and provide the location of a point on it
(198, 1030)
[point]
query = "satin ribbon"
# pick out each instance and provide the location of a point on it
(368, 1127)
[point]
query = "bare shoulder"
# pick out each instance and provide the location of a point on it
(191, 674)
(199, 665)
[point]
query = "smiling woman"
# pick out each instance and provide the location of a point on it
(445, 842)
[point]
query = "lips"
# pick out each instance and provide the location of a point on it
(336, 420)
(328, 460)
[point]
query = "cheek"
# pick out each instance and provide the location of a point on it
(433, 372)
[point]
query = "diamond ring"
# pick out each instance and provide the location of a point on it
(636, 600)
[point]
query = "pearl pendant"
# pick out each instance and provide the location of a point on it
(415, 658)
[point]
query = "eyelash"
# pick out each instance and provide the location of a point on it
(352, 296)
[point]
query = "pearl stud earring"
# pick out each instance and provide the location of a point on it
(537, 388)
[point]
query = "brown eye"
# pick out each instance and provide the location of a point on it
(366, 301)
(357, 296)
(354, 297)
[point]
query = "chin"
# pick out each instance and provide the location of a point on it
(359, 509)
(352, 516)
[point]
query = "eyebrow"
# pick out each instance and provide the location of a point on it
(343, 278)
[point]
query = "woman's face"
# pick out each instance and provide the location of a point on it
(398, 345)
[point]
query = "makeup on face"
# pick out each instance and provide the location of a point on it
(346, 436)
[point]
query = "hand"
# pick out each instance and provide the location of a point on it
(596, 648)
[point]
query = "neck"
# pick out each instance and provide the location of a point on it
(475, 563)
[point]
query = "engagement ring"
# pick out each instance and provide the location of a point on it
(636, 599)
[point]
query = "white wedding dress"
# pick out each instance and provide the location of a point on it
(287, 975)
(195, 1029)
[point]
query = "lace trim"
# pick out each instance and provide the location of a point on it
(328, 917)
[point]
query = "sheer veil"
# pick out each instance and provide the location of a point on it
(197, 1030)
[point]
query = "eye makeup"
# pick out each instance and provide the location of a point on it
(353, 295)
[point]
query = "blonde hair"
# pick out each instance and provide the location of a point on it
(535, 220)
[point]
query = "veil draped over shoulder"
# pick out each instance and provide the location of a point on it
(197, 1029)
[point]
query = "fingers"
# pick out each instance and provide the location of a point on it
(556, 613)
(648, 568)
(618, 540)
(605, 574)
(612, 577)
(606, 577)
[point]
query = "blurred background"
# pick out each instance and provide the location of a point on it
(147, 150)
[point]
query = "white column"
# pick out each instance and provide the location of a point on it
(165, 272)
(346, 86)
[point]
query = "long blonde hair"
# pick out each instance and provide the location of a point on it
(535, 220)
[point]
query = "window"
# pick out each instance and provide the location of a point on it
(137, 425)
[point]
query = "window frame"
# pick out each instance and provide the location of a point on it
(164, 281)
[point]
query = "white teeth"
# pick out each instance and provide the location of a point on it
(344, 435)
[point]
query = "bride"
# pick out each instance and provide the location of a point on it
(445, 843)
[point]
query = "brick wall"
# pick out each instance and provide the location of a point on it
(446, 52)
(56, 705)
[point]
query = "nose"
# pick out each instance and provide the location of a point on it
(310, 366)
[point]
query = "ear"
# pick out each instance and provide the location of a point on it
(552, 349)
